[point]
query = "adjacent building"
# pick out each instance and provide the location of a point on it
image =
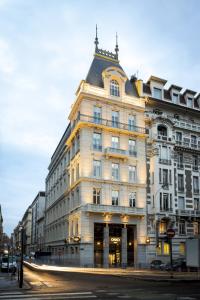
(173, 165)
(37, 222)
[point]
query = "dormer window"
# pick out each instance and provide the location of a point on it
(175, 98)
(190, 102)
(114, 88)
(157, 93)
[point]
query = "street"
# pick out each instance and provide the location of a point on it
(73, 285)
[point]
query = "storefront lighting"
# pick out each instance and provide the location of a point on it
(98, 243)
(147, 240)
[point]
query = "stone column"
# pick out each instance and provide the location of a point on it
(106, 246)
(124, 246)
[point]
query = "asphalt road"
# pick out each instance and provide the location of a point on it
(86, 286)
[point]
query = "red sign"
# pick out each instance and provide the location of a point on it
(170, 233)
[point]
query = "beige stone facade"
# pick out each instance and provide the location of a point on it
(97, 175)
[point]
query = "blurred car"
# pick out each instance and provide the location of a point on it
(11, 264)
(178, 264)
(155, 264)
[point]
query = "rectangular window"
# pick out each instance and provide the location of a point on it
(166, 202)
(196, 204)
(195, 162)
(165, 248)
(132, 199)
(97, 114)
(131, 147)
(182, 248)
(97, 141)
(115, 119)
(196, 184)
(115, 197)
(175, 98)
(164, 153)
(96, 196)
(180, 160)
(160, 175)
(157, 93)
(77, 171)
(181, 203)
(165, 177)
(179, 138)
(97, 168)
(182, 229)
(131, 122)
(190, 102)
(132, 174)
(115, 171)
(180, 182)
(162, 227)
(194, 141)
(115, 142)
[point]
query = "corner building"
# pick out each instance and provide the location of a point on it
(96, 186)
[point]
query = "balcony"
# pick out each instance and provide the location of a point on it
(186, 125)
(114, 209)
(165, 161)
(188, 145)
(109, 123)
(188, 213)
(115, 152)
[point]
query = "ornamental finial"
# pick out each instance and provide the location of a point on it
(116, 47)
(96, 41)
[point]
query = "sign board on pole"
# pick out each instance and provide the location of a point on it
(170, 233)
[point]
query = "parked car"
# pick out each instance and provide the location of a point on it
(178, 264)
(155, 264)
(12, 264)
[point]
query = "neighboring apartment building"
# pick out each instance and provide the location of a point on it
(96, 186)
(37, 226)
(26, 223)
(173, 165)
(1, 232)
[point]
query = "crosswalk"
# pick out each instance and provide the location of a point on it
(47, 296)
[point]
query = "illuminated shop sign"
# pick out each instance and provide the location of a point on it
(115, 240)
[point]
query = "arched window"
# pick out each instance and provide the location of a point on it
(162, 130)
(114, 88)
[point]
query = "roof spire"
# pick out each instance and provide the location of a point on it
(96, 41)
(116, 47)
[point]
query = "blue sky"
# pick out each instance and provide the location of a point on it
(46, 48)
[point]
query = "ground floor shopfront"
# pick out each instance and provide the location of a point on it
(114, 245)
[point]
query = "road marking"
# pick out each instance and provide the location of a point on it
(112, 294)
(36, 296)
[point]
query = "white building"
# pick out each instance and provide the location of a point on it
(173, 165)
(96, 186)
(37, 225)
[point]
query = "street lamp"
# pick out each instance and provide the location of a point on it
(21, 272)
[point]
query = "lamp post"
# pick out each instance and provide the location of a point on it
(21, 271)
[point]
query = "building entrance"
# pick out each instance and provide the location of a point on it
(114, 246)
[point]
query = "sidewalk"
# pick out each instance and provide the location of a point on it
(8, 283)
(150, 275)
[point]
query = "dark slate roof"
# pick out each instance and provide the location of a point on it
(167, 95)
(94, 76)
(146, 88)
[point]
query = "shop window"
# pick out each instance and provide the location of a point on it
(182, 248)
(165, 248)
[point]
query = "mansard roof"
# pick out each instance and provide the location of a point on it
(99, 64)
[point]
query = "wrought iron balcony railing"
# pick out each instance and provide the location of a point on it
(109, 123)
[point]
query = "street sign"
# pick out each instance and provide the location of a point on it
(170, 233)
